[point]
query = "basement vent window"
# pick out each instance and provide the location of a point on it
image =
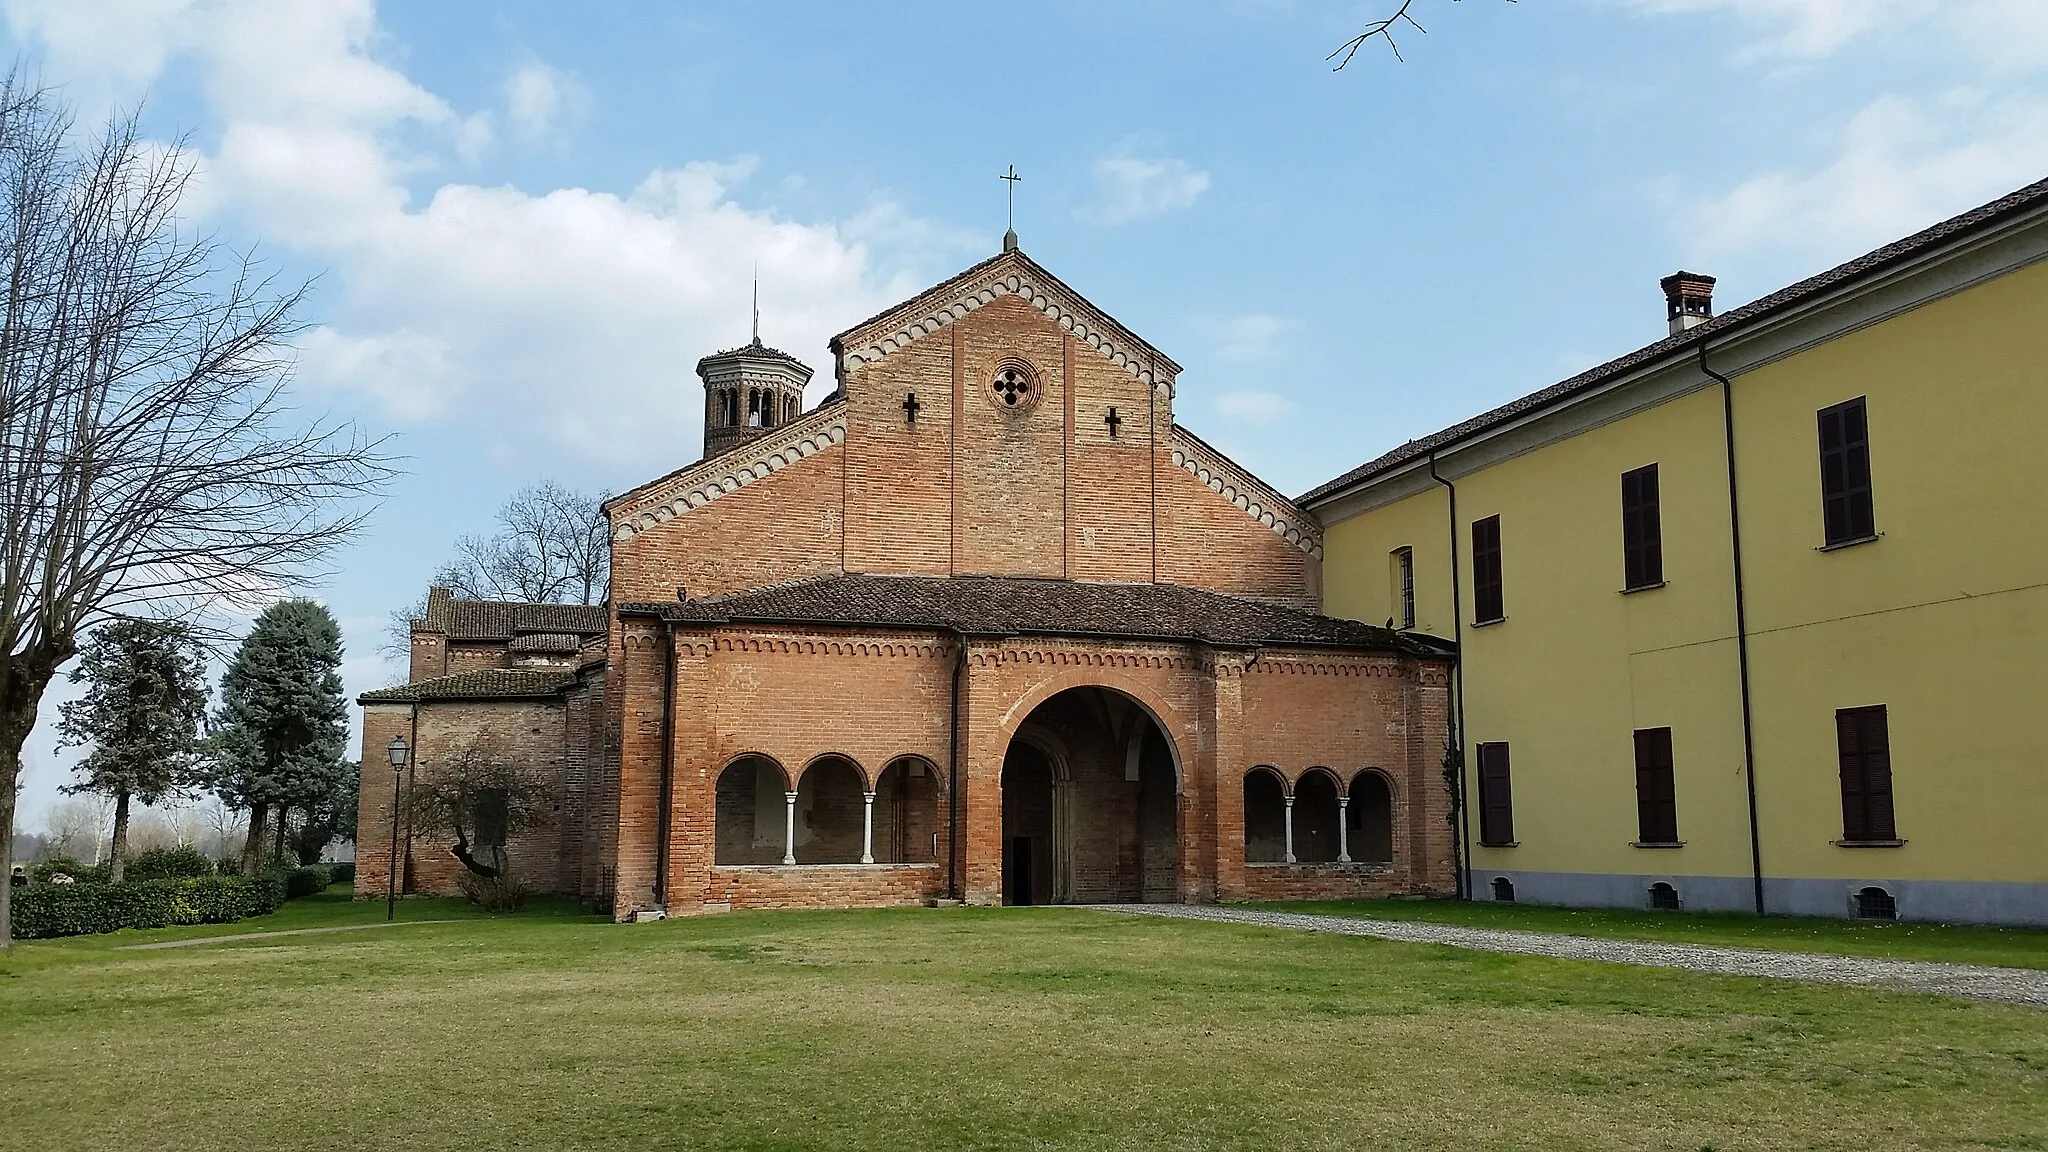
(1503, 890)
(1663, 897)
(1875, 903)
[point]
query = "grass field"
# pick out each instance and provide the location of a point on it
(1023, 1028)
(1956, 943)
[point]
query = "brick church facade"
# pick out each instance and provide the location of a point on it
(985, 624)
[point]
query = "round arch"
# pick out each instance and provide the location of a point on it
(859, 769)
(1369, 817)
(1091, 791)
(909, 811)
(828, 823)
(1164, 717)
(748, 815)
(1318, 817)
(1265, 815)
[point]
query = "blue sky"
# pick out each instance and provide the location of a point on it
(528, 220)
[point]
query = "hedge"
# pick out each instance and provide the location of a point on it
(175, 863)
(42, 911)
(344, 872)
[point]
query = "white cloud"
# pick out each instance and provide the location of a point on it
(541, 101)
(568, 320)
(1904, 163)
(2002, 33)
(1254, 406)
(1251, 336)
(1130, 188)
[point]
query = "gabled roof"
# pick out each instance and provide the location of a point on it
(1686, 343)
(482, 684)
(1003, 606)
(1010, 273)
(478, 620)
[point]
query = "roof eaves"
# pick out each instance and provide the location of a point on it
(1668, 350)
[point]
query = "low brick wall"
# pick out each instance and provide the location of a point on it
(1320, 881)
(824, 885)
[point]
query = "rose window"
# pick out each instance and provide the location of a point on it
(1014, 386)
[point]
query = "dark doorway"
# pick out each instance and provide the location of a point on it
(1091, 804)
(1017, 885)
(1028, 798)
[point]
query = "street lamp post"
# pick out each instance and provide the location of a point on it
(399, 751)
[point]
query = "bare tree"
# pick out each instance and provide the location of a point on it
(76, 827)
(481, 796)
(1383, 29)
(145, 463)
(553, 546)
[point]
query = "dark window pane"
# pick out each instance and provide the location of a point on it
(1642, 534)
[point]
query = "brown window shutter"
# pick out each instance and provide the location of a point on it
(1496, 796)
(1487, 604)
(1656, 791)
(1863, 745)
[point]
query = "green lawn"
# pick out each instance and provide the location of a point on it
(929, 1029)
(1962, 944)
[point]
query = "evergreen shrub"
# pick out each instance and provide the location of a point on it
(179, 862)
(42, 911)
(309, 880)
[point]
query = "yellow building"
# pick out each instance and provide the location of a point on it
(1754, 617)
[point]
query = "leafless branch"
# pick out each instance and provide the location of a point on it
(1380, 29)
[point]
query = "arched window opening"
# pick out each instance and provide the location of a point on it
(1503, 890)
(1315, 818)
(1874, 903)
(1265, 817)
(753, 407)
(1371, 819)
(748, 814)
(1663, 897)
(829, 813)
(789, 411)
(908, 813)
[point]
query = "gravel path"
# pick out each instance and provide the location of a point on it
(2026, 986)
(193, 943)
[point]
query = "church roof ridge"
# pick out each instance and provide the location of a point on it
(1006, 273)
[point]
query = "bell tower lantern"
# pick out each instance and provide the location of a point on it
(749, 389)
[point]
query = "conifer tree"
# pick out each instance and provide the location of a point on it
(282, 726)
(144, 703)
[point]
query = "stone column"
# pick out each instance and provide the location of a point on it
(867, 827)
(1289, 857)
(789, 827)
(1343, 829)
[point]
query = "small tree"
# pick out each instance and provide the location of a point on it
(283, 723)
(144, 702)
(481, 797)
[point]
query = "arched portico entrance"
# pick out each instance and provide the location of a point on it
(1091, 810)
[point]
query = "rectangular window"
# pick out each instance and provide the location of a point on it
(1486, 593)
(1404, 587)
(1642, 530)
(1496, 797)
(1863, 744)
(1846, 513)
(1656, 799)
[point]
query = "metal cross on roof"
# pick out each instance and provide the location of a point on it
(1012, 177)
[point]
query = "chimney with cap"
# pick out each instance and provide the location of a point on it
(1688, 300)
